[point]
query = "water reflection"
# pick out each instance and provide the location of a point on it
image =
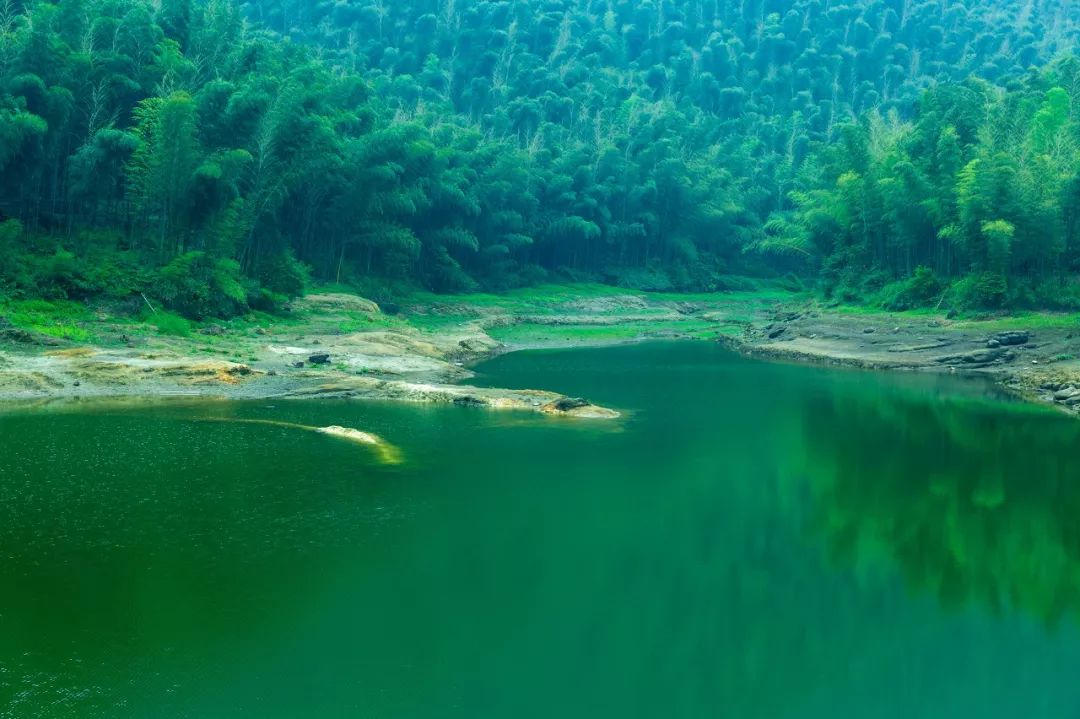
(973, 501)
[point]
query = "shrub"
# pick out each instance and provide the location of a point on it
(984, 291)
(263, 300)
(284, 275)
(169, 323)
(198, 286)
(651, 278)
(1049, 294)
(922, 289)
(736, 283)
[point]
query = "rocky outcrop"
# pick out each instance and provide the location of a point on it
(460, 395)
(578, 408)
(1008, 339)
(979, 358)
(16, 335)
(335, 302)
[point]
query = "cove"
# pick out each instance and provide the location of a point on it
(751, 539)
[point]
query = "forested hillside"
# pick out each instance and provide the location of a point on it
(976, 204)
(213, 154)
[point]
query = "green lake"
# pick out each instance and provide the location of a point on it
(752, 540)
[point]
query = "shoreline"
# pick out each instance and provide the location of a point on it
(336, 345)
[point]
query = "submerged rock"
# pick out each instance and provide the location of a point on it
(353, 435)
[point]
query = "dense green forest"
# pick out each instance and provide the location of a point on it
(216, 155)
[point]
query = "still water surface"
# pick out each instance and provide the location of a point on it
(752, 541)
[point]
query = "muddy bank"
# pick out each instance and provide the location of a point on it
(333, 346)
(1034, 358)
(344, 346)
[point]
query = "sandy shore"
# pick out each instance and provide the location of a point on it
(339, 345)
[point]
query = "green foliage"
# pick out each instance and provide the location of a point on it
(219, 155)
(11, 232)
(981, 189)
(986, 290)
(284, 275)
(169, 323)
(1057, 293)
(55, 318)
(199, 286)
(922, 289)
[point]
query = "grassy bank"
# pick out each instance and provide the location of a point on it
(52, 347)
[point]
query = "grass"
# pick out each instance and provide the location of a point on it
(1024, 321)
(872, 311)
(531, 333)
(170, 324)
(75, 322)
(549, 300)
(55, 318)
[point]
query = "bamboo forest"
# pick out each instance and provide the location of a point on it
(437, 359)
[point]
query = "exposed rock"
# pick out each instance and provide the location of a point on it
(1011, 339)
(12, 334)
(939, 344)
(567, 404)
(340, 302)
(319, 359)
(297, 365)
(869, 331)
(469, 401)
(687, 308)
(1064, 394)
(978, 357)
(213, 330)
(26, 337)
(592, 412)
(777, 332)
(576, 407)
(993, 342)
